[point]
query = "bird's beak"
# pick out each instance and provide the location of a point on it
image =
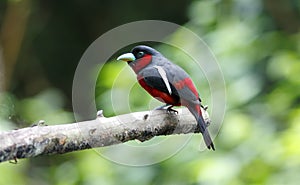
(127, 57)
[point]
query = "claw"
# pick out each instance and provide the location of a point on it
(167, 107)
(205, 115)
(170, 110)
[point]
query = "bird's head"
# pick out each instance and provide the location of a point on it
(138, 52)
(139, 57)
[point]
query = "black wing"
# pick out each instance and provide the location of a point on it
(154, 80)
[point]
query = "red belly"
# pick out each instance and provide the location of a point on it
(159, 95)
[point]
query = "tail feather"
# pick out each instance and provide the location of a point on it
(196, 111)
(207, 139)
(206, 136)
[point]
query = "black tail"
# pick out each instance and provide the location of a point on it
(206, 136)
(196, 111)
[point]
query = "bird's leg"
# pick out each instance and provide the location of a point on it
(162, 107)
(167, 107)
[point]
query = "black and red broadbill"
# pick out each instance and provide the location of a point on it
(166, 82)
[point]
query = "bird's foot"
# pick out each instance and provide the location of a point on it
(205, 107)
(170, 110)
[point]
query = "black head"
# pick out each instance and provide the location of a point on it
(138, 52)
(140, 57)
(142, 50)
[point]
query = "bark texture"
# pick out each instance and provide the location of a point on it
(59, 139)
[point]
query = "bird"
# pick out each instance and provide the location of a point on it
(167, 82)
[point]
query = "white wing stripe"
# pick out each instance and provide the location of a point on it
(163, 74)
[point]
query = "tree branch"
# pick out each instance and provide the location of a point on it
(59, 139)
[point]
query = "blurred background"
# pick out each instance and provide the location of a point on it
(256, 42)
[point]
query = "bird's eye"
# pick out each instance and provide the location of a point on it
(140, 54)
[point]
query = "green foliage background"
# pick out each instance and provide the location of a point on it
(257, 44)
